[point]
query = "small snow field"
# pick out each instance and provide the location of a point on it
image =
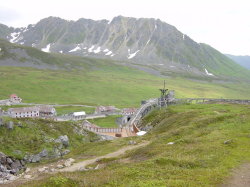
(77, 48)
(133, 54)
(46, 49)
(98, 50)
(209, 74)
(90, 50)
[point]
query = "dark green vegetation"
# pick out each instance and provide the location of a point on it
(109, 121)
(209, 140)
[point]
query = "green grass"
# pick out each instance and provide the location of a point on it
(199, 156)
(5, 108)
(109, 121)
(112, 85)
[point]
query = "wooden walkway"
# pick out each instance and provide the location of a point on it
(212, 100)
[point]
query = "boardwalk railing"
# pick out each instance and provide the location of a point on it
(104, 130)
(206, 100)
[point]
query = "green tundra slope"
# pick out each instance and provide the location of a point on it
(54, 78)
(208, 141)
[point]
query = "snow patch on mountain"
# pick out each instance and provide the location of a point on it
(209, 74)
(90, 50)
(18, 39)
(106, 50)
(46, 49)
(61, 51)
(133, 54)
(98, 50)
(14, 36)
(150, 36)
(155, 26)
(108, 53)
(25, 29)
(77, 48)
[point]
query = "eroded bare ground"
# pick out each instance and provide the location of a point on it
(35, 174)
(240, 177)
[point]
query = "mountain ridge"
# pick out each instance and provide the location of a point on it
(243, 60)
(144, 41)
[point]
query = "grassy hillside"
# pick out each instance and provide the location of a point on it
(220, 64)
(209, 140)
(244, 61)
(110, 85)
(68, 79)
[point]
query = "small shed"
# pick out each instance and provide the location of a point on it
(78, 115)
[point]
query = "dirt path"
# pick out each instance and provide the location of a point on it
(81, 165)
(240, 177)
(34, 172)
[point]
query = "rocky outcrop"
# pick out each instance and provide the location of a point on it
(9, 167)
(10, 125)
(62, 142)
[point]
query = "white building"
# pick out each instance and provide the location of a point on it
(32, 112)
(78, 115)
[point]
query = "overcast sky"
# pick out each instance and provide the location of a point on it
(223, 24)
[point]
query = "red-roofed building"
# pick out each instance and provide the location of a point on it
(15, 99)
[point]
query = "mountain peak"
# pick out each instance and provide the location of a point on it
(144, 41)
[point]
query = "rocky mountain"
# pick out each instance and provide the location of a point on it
(16, 55)
(242, 60)
(149, 43)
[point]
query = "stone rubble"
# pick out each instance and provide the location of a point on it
(9, 168)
